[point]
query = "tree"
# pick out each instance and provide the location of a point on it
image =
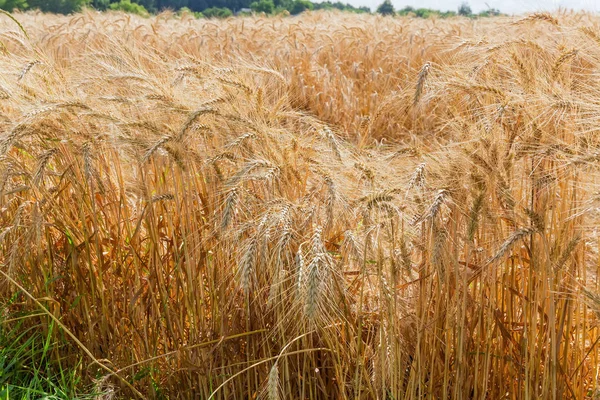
(216, 12)
(101, 5)
(10, 5)
(58, 6)
(129, 7)
(265, 6)
(170, 4)
(149, 5)
(386, 8)
(197, 5)
(465, 9)
(490, 12)
(328, 5)
(299, 6)
(201, 5)
(406, 11)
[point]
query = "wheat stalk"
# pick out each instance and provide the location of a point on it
(423, 73)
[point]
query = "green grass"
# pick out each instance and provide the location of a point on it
(28, 364)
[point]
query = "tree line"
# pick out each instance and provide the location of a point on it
(387, 8)
(226, 8)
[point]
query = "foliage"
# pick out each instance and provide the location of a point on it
(100, 5)
(223, 8)
(149, 5)
(299, 6)
(129, 7)
(428, 12)
(217, 12)
(10, 5)
(425, 12)
(58, 6)
(186, 11)
(465, 9)
(232, 5)
(328, 5)
(490, 12)
(386, 8)
(265, 6)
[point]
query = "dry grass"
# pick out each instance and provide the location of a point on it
(309, 207)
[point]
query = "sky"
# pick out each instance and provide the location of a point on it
(505, 6)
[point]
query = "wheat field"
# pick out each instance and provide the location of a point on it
(329, 206)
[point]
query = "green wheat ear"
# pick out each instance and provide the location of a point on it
(9, 15)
